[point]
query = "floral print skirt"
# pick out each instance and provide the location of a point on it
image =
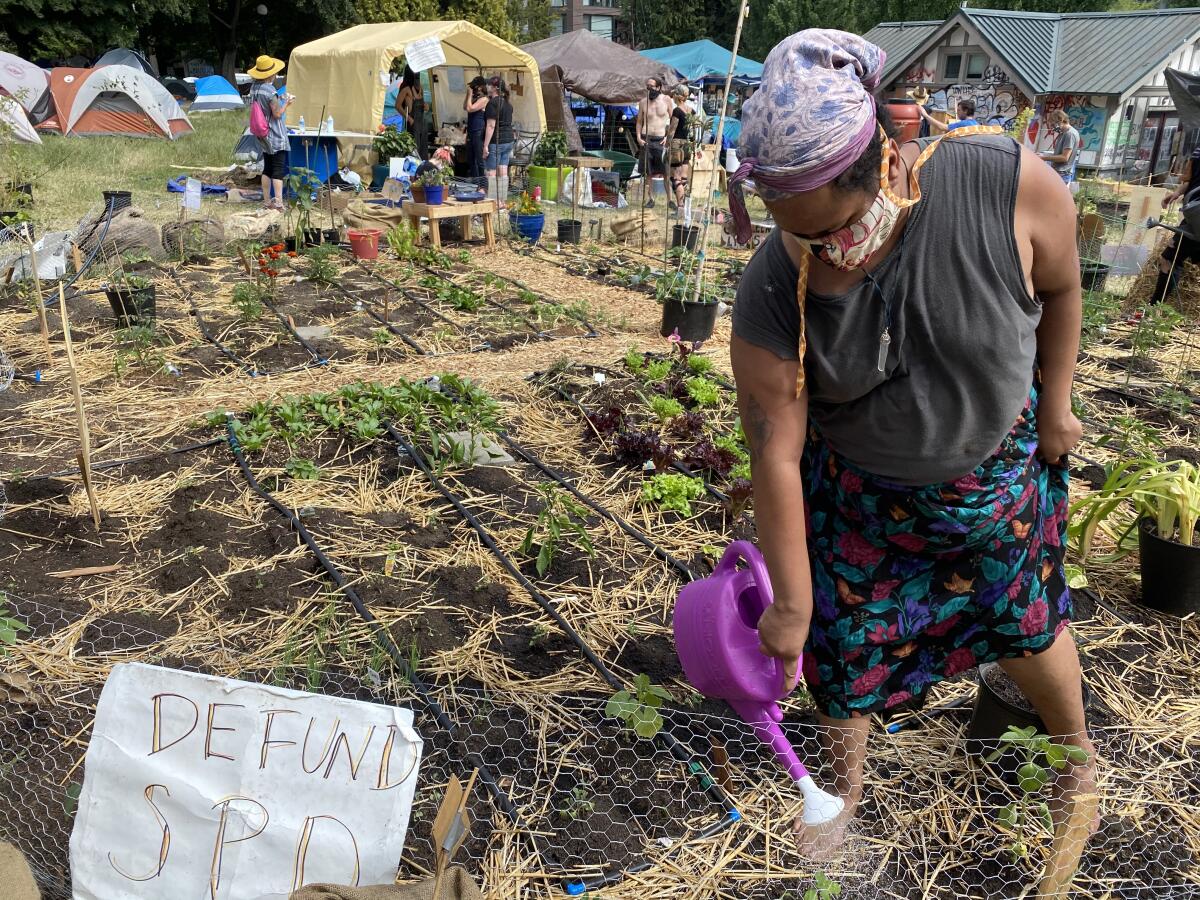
(912, 585)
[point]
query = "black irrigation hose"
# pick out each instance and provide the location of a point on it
(365, 306)
(250, 368)
(1145, 401)
(381, 635)
(677, 749)
(681, 568)
(116, 463)
(503, 307)
(318, 359)
(417, 300)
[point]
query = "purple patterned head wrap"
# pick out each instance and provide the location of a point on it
(811, 118)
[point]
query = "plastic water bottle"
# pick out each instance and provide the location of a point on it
(329, 124)
(302, 124)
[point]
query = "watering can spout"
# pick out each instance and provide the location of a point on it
(764, 718)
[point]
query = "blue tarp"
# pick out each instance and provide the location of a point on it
(698, 59)
(176, 186)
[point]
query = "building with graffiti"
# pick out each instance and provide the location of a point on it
(1104, 69)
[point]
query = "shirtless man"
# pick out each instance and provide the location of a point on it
(653, 119)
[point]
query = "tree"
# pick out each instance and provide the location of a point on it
(491, 15)
(396, 10)
(531, 19)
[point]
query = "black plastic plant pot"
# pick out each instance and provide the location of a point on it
(568, 231)
(1170, 573)
(687, 236)
(312, 237)
(24, 188)
(289, 244)
(118, 200)
(999, 704)
(693, 320)
(132, 306)
(1093, 277)
(331, 235)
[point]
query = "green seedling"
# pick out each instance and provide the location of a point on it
(247, 299)
(666, 408)
(702, 391)
(561, 521)
(672, 491)
(302, 469)
(656, 369)
(699, 365)
(539, 635)
(139, 344)
(10, 628)
(824, 888)
(577, 805)
(639, 709)
(634, 361)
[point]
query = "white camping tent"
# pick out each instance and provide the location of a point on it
(14, 124)
(27, 84)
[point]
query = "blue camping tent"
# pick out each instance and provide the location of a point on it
(214, 92)
(697, 60)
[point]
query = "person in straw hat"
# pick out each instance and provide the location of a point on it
(275, 145)
(904, 364)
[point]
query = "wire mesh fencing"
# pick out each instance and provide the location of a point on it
(582, 800)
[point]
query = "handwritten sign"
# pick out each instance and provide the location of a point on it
(191, 194)
(217, 789)
(424, 54)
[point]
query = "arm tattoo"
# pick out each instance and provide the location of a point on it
(758, 427)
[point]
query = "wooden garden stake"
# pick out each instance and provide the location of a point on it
(37, 288)
(1068, 845)
(85, 443)
(77, 257)
(451, 827)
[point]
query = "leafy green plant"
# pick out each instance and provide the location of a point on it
(1130, 436)
(639, 709)
(699, 365)
(634, 360)
(1177, 401)
(576, 805)
(138, 344)
(525, 205)
(672, 491)
(247, 299)
(1039, 757)
(666, 408)
(1166, 493)
(392, 142)
(319, 265)
(1156, 329)
(302, 469)
(656, 370)
(402, 240)
(560, 521)
(302, 186)
(1099, 311)
(824, 888)
(10, 628)
(433, 177)
(703, 391)
(550, 149)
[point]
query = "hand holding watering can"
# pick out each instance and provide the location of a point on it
(716, 636)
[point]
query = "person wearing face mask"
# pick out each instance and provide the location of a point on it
(904, 368)
(1065, 156)
(653, 118)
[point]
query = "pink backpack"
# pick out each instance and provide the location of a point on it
(258, 120)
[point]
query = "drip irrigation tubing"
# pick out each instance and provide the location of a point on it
(417, 300)
(677, 749)
(366, 305)
(1145, 401)
(384, 639)
(682, 569)
(291, 329)
(503, 307)
(117, 463)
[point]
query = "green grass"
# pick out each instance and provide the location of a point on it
(70, 172)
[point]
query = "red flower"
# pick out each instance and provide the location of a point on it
(881, 635)
(291, 253)
(870, 679)
(942, 628)
(1035, 617)
(883, 589)
(897, 698)
(912, 542)
(959, 661)
(858, 551)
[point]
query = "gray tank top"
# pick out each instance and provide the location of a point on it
(961, 360)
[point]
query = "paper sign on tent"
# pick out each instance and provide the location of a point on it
(205, 787)
(424, 54)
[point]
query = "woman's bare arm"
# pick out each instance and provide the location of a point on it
(774, 420)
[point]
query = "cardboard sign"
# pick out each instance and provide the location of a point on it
(215, 789)
(424, 54)
(191, 194)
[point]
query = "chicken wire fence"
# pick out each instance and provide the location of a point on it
(594, 798)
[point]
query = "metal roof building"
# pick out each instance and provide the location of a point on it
(1104, 68)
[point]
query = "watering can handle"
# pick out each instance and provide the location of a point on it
(762, 580)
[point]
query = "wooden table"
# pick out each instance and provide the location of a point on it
(577, 163)
(452, 209)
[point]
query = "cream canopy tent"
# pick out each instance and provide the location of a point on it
(346, 74)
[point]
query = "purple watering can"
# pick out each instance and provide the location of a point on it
(716, 636)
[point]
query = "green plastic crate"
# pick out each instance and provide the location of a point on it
(623, 163)
(545, 177)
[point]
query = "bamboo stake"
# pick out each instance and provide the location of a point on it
(37, 287)
(737, 40)
(85, 443)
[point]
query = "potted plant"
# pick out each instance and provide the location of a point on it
(301, 190)
(527, 218)
(684, 313)
(389, 143)
(1160, 503)
(131, 297)
(433, 182)
(543, 167)
(999, 706)
(15, 221)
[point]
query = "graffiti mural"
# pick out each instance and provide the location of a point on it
(995, 75)
(995, 104)
(919, 75)
(1086, 118)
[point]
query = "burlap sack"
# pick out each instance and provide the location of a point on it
(128, 232)
(253, 225)
(16, 881)
(373, 215)
(201, 237)
(456, 885)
